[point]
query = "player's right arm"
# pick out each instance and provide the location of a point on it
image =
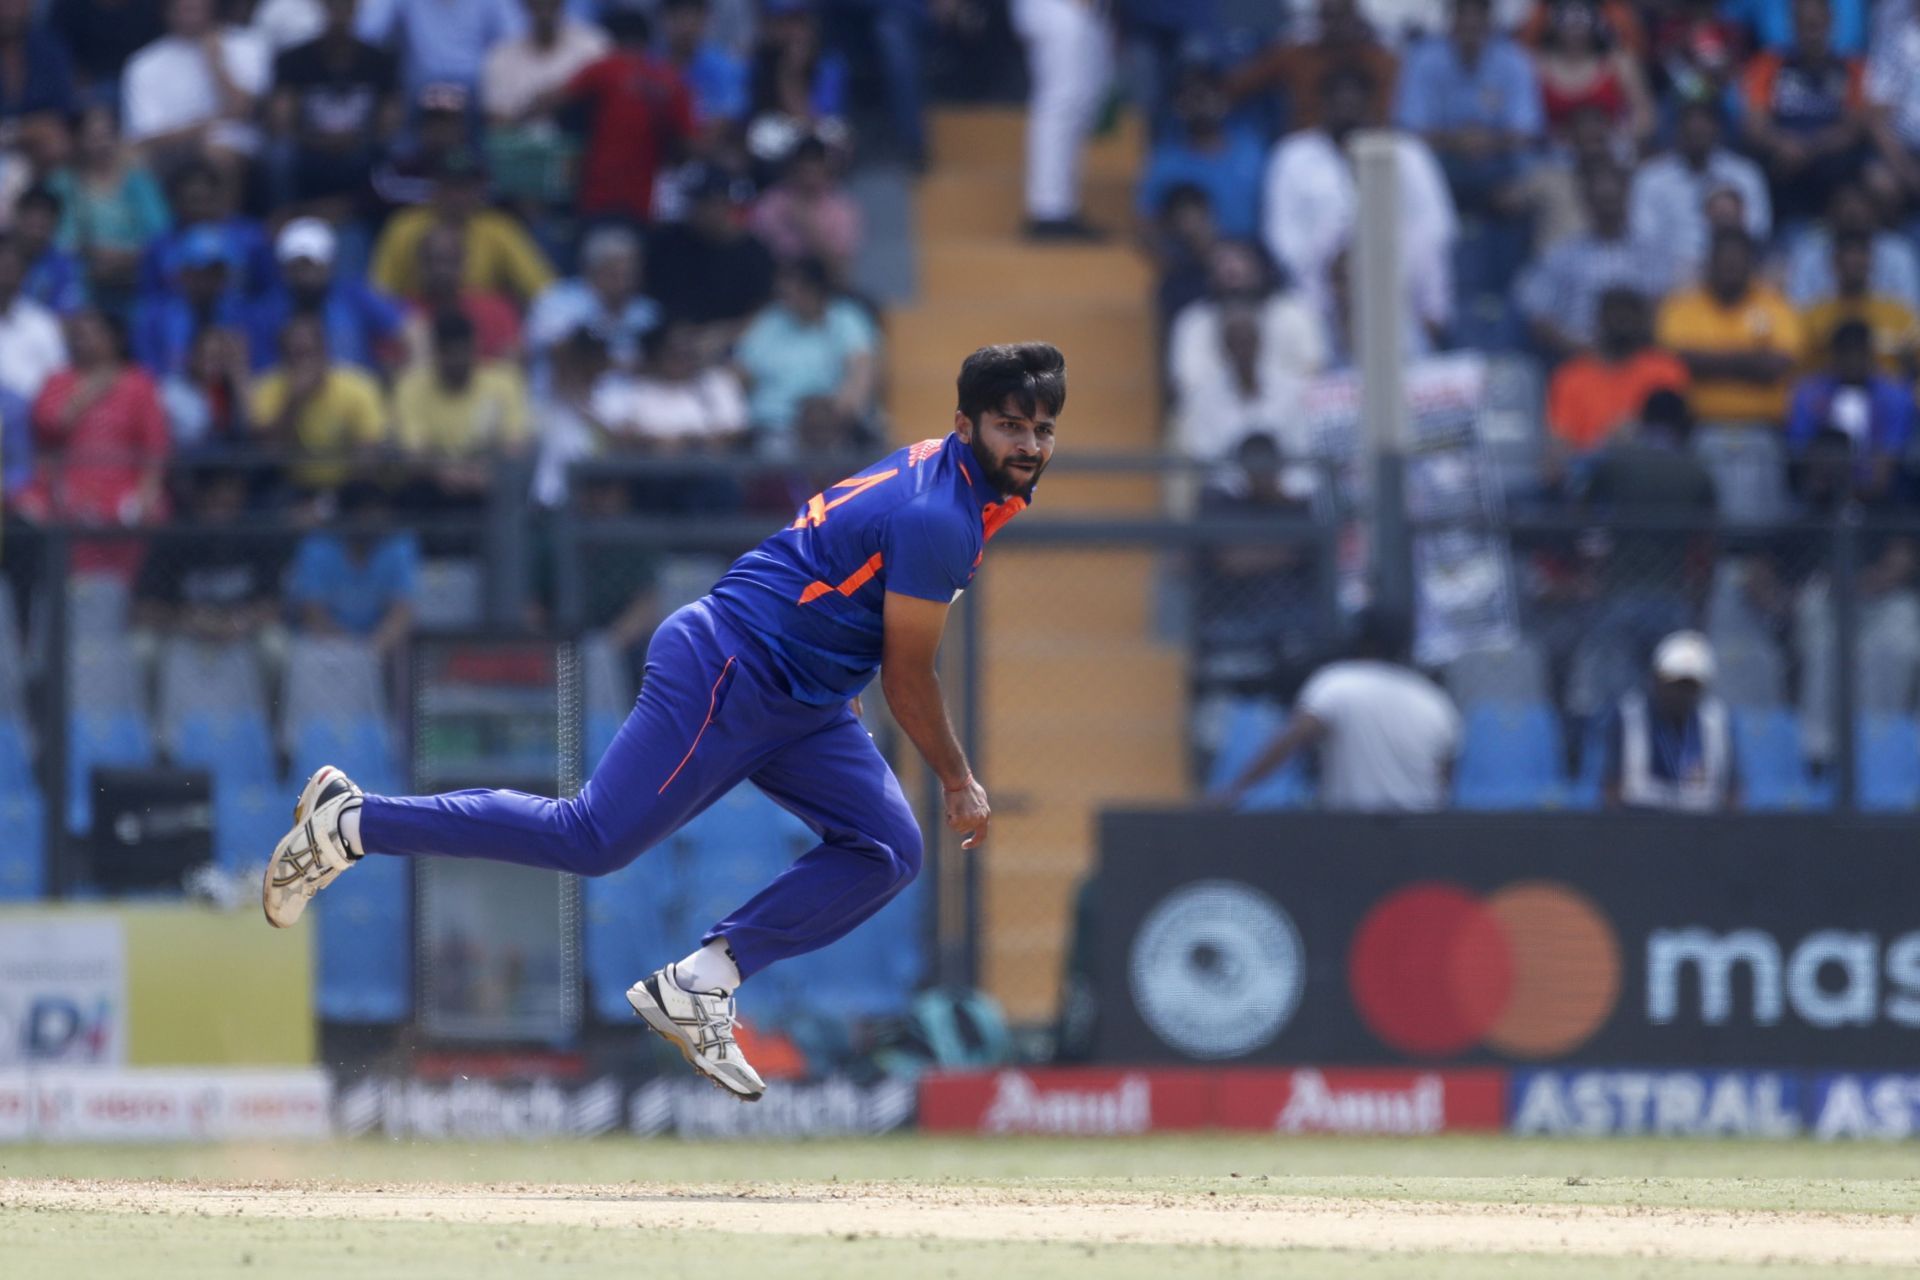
(911, 630)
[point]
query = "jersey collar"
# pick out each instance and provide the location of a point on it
(994, 510)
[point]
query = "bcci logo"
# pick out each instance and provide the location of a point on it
(1217, 969)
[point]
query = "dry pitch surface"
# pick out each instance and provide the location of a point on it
(912, 1207)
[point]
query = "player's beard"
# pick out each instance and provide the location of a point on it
(1006, 481)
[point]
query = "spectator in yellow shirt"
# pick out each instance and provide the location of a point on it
(455, 414)
(1737, 335)
(1741, 342)
(501, 256)
(315, 408)
(1894, 328)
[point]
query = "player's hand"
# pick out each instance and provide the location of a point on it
(967, 812)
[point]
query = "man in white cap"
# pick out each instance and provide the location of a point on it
(363, 325)
(1671, 746)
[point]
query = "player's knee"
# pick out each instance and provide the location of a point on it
(905, 849)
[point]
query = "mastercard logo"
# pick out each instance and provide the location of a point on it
(1530, 970)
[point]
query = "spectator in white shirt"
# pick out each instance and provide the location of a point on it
(32, 347)
(675, 405)
(1668, 200)
(521, 70)
(1387, 735)
(1236, 357)
(194, 90)
(1313, 202)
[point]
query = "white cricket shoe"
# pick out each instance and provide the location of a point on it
(701, 1028)
(312, 855)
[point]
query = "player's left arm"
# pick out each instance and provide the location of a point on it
(910, 646)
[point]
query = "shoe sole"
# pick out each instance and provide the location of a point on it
(299, 816)
(660, 1024)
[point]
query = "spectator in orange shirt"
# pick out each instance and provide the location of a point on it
(1595, 394)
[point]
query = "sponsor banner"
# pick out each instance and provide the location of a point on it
(63, 992)
(1382, 1101)
(1525, 940)
(1668, 1104)
(1080, 1101)
(1066, 1100)
(107, 1105)
(796, 1109)
(1864, 1106)
(398, 1107)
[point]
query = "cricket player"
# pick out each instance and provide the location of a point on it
(755, 682)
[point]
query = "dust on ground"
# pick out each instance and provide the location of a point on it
(1034, 1215)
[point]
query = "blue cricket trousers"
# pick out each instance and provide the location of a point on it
(710, 714)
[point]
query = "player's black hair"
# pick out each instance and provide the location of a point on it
(1033, 375)
(1382, 634)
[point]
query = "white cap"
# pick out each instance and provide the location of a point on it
(305, 238)
(1684, 655)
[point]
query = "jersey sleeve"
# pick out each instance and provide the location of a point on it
(927, 553)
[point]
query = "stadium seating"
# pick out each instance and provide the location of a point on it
(331, 678)
(1752, 672)
(209, 684)
(364, 941)
(1773, 768)
(101, 739)
(1887, 762)
(1515, 674)
(1510, 758)
(23, 816)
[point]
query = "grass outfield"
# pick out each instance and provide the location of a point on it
(906, 1206)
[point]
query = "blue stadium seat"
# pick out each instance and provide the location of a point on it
(364, 941)
(16, 757)
(628, 930)
(361, 746)
(235, 747)
(1584, 791)
(248, 820)
(1887, 758)
(1773, 768)
(23, 819)
(1510, 758)
(601, 728)
(1250, 725)
(110, 739)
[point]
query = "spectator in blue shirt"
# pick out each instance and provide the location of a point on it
(358, 580)
(1852, 397)
(1771, 22)
(201, 200)
(715, 74)
(1473, 96)
(363, 325)
(439, 41)
(894, 29)
(604, 299)
(36, 78)
(55, 278)
(201, 295)
(1227, 162)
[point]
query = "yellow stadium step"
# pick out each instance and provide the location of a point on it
(994, 140)
(928, 341)
(1009, 271)
(990, 204)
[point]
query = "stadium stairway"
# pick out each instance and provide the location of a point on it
(1081, 707)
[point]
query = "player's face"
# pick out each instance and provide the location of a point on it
(1013, 447)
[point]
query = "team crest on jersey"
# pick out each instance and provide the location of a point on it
(919, 453)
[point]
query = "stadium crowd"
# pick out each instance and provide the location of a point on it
(1692, 224)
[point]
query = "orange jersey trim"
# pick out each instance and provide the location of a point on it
(996, 514)
(713, 704)
(857, 579)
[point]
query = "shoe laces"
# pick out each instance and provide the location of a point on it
(718, 1020)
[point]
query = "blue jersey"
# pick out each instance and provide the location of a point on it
(916, 523)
